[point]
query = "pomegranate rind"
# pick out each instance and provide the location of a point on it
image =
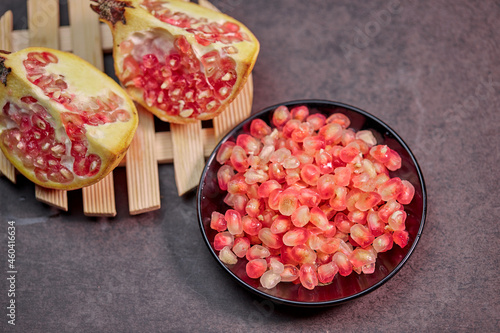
(138, 19)
(109, 141)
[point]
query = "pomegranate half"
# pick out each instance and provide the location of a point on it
(181, 61)
(63, 123)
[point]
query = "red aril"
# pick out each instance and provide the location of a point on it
(63, 123)
(181, 61)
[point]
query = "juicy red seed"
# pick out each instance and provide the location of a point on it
(251, 225)
(300, 112)
(343, 263)
(223, 239)
(326, 186)
(255, 268)
(383, 243)
(340, 119)
(313, 144)
(241, 246)
(380, 153)
(391, 189)
(270, 279)
(325, 162)
(327, 272)
(280, 116)
(308, 276)
(309, 197)
(290, 273)
(303, 254)
(234, 224)
(302, 132)
(267, 187)
(288, 202)
(318, 218)
(237, 184)
(225, 151)
(349, 153)
(331, 132)
(296, 236)
(361, 257)
(257, 252)
(401, 237)
(281, 225)
(376, 225)
(218, 222)
(271, 240)
(277, 172)
(259, 128)
(394, 162)
(397, 220)
(316, 120)
(224, 175)
(301, 216)
(289, 127)
(310, 174)
(361, 235)
(338, 200)
(386, 210)
(367, 201)
(406, 195)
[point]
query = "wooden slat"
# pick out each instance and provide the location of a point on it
(20, 39)
(54, 198)
(239, 110)
(142, 168)
(6, 24)
(43, 23)
(165, 151)
(43, 20)
(189, 160)
(98, 199)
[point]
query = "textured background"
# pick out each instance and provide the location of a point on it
(430, 69)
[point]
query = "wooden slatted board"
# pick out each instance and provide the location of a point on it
(186, 146)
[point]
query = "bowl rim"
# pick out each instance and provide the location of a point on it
(321, 303)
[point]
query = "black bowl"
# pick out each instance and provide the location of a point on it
(210, 198)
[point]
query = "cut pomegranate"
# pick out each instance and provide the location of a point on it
(64, 124)
(318, 199)
(179, 60)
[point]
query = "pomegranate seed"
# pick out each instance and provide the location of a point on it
(271, 240)
(338, 200)
(224, 175)
(361, 257)
(296, 236)
(280, 116)
(237, 184)
(386, 210)
(223, 239)
(300, 112)
(225, 151)
(361, 235)
(391, 189)
(332, 133)
(227, 256)
(340, 119)
(257, 252)
(310, 174)
(326, 186)
(234, 224)
(383, 243)
(218, 222)
(267, 187)
(290, 273)
(316, 120)
(251, 225)
(397, 220)
(241, 246)
(250, 144)
(343, 263)
(303, 254)
(281, 225)
(400, 237)
(407, 193)
(269, 279)
(275, 265)
(255, 268)
(239, 159)
(327, 272)
(301, 216)
(367, 200)
(259, 128)
(342, 176)
(308, 276)
(375, 224)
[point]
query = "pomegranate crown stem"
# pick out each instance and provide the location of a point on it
(111, 10)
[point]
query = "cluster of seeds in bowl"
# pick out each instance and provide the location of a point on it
(309, 199)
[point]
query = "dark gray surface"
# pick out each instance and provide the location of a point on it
(430, 69)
